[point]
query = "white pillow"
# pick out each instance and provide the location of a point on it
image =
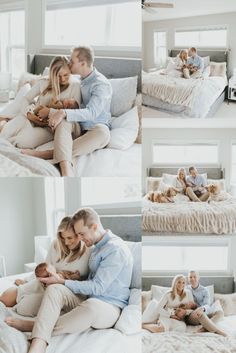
(170, 65)
(129, 321)
(151, 313)
(13, 107)
(206, 71)
(220, 182)
(124, 130)
(136, 249)
(163, 186)
(218, 69)
(168, 178)
(159, 291)
(206, 60)
(211, 292)
(12, 340)
(124, 92)
(135, 296)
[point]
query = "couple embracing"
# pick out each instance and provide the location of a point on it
(190, 63)
(87, 275)
(186, 305)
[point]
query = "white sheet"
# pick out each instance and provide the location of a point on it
(210, 90)
(90, 341)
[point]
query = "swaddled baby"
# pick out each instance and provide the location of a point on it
(44, 270)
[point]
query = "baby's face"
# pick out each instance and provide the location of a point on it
(180, 313)
(44, 271)
(70, 104)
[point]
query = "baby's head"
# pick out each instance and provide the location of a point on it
(70, 104)
(180, 313)
(43, 270)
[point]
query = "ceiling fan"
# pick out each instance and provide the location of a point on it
(146, 4)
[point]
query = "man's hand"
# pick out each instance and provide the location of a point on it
(43, 113)
(197, 313)
(54, 278)
(56, 118)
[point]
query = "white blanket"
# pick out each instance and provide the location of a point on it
(190, 217)
(172, 342)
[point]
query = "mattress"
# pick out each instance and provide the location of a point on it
(190, 217)
(195, 101)
(92, 341)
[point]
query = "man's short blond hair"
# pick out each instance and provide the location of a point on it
(88, 215)
(85, 54)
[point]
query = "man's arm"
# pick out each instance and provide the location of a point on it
(205, 304)
(108, 270)
(100, 96)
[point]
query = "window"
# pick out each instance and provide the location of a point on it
(108, 191)
(164, 257)
(12, 42)
(98, 25)
(185, 153)
(233, 170)
(201, 38)
(160, 49)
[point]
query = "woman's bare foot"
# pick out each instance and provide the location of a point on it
(40, 154)
(38, 346)
(21, 325)
(66, 169)
(201, 329)
(154, 328)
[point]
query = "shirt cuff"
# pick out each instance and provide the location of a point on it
(70, 284)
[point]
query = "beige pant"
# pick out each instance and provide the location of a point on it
(80, 315)
(29, 298)
(187, 74)
(209, 323)
(21, 133)
(69, 142)
(193, 197)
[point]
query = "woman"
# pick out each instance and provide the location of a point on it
(67, 253)
(181, 60)
(58, 86)
(178, 295)
(180, 184)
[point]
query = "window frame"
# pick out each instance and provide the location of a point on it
(161, 30)
(203, 28)
(97, 49)
(232, 182)
(186, 143)
(190, 241)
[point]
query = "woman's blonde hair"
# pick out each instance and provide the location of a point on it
(182, 170)
(65, 252)
(58, 63)
(183, 55)
(174, 285)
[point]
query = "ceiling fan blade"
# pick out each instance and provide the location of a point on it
(158, 5)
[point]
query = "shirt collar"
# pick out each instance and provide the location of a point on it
(104, 240)
(90, 77)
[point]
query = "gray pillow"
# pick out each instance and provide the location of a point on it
(135, 248)
(124, 91)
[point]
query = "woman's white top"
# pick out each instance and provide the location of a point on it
(179, 185)
(80, 264)
(179, 63)
(72, 91)
(167, 302)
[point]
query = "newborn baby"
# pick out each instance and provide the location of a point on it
(34, 110)
(44, 270)
(181, 313)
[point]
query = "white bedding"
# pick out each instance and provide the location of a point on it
(189, 98)
(92, 341)
(190, 217)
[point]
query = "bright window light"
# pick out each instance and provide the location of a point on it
(233, 169)
(110, 190)
(12, 42)
(207, 38)
(185, 153)
(160, 49)
(183, 258)
(102, 25)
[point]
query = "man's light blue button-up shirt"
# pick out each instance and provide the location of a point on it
(201, 297)
(196, 61)
(110, 272)
(96, 93)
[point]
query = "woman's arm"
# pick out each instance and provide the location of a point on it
(30, 96)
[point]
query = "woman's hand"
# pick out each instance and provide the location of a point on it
(56, 118)
(43, 113)
(54, 278)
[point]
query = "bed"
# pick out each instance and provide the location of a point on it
(194, 98)
(112, 340)
(105, 162)
(186, 217)
(190, 341)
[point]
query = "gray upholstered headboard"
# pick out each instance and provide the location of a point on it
(128, 227)
(215, 55)
(223, 285)
(110, 67)
(212, 172)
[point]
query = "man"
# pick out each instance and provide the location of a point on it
(204, 314)
(107, 287)
(196, 190)
(195, 64)
(90, 124)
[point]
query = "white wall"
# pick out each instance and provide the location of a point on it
(224, 136)
(170, 25)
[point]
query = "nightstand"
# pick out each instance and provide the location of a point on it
(232, 89)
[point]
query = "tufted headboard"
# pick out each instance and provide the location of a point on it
(212, 172)
(128, 227)
(110, 67)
